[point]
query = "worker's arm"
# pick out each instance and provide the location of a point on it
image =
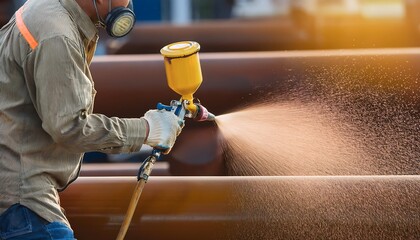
(64, 101)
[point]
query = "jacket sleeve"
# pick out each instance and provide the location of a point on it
(64, 100)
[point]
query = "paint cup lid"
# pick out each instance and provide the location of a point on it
(180, 49)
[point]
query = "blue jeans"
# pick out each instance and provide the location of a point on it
(20, 223)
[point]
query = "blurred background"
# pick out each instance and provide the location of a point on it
(267, 25)
(289, 24)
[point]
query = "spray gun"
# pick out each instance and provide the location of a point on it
(183, 72)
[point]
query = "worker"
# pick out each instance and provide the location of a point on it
(46, 110)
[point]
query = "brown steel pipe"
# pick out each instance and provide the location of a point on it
(215, 36)
(6, 11)
(121, 169)
(294, 32)
(312, 207)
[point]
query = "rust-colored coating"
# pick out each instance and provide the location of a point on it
(295, 32)
(121, 169)
(214, 36)
(6, 11)
(312, 207)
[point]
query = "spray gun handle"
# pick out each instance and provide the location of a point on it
(145, 169)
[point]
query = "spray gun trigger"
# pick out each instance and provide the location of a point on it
(161, 106)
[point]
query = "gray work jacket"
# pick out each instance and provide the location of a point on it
(46, 106)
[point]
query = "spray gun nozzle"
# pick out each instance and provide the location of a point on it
(203, 114)
(211, 117)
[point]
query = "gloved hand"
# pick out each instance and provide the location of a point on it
(164, 127)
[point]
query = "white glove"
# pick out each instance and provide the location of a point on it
(164, 127)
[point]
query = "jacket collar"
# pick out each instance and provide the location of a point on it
(84, 23)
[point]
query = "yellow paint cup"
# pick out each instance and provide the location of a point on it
(183, 70)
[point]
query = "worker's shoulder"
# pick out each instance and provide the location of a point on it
(48, 19)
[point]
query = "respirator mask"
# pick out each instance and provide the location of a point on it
(119, 21)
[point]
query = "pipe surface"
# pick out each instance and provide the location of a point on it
(295, 32)
(121, 169)
(214, 36)
(6, 11)
(311, 207)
